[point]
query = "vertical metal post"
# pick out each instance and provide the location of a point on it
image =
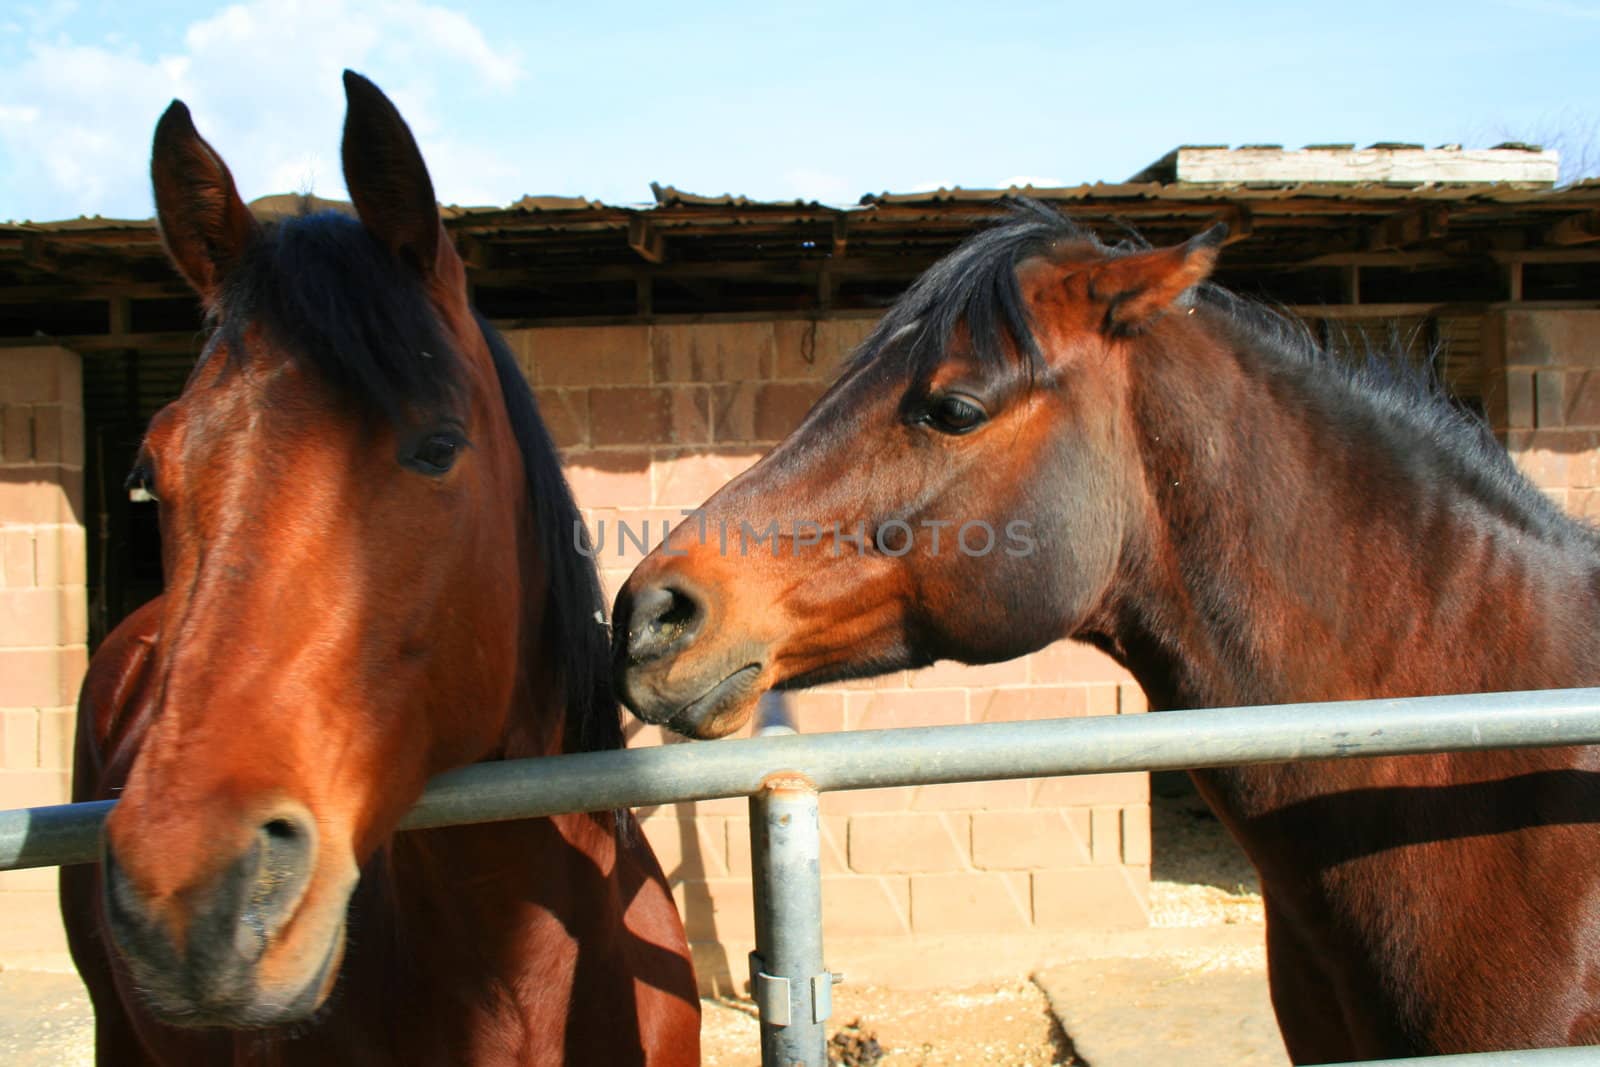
(792, 989)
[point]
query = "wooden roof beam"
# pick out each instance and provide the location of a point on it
(646, 240)
(1408, 228)
(1574, 229)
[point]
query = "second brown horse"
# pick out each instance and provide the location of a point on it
(1047, 438)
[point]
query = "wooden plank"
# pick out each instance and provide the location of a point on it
(1360, 165)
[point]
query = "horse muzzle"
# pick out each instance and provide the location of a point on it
(242, 948)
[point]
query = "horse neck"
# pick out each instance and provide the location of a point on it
(1308, 538)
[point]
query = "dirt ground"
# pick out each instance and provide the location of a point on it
(1192, 990)
(1008, 1024)
(1200, 1000)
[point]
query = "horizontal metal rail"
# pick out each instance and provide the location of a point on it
(790, 770)
(1173, 740)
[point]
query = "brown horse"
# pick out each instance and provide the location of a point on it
(363, 527)
(1050, 438)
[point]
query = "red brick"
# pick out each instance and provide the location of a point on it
(1581, 403)
(16, 434)
(1105, 835)
(721, 909)
(1518, 401)
(19, 739)
(60, 555)
(972, 796)
(32, 789)
(1019, 840)
(610, 479)
(41, 495)
(687, 480)
(852, 801)
(33, 617)
(58, 434)
(688, 848)
(1096, 898)
(41, 677)
(629, 415)
(733, 409)
(1551, 338)
(588, 355)
(1073, 662)
(778, 409)
(856, 906)
(817, 348)
(1130, 787)
(1102, 699)
(886, 709)
(1136, 835)
(56, 730)
(712, 352)
(817, 713)
(947, 674)
(17, 568)
(28, 880)
(1131, 699)
(972, 902)
(907, 843)
(41, 375)
(1549, 405)
(691, 415)
(566, 415)
(1020, 703)
(33, 924)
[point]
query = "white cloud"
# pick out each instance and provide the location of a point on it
(262, 78)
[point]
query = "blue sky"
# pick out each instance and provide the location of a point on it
(826, 100)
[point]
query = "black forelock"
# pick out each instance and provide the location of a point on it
(327, 293)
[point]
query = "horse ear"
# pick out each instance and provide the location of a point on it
(205, 226)
(1137, 289)
(388, 181)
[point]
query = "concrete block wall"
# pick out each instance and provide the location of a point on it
(43, 613)
(653, 419)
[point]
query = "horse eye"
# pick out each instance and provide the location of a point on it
(140, 484)
(955, 415)
(435, 453)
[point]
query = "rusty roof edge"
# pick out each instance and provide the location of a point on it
(671, 201)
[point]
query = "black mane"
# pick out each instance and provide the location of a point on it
(976, 287)
(326, 291)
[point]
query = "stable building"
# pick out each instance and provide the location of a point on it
(671, 344)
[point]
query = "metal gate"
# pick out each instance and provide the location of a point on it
(782, 773)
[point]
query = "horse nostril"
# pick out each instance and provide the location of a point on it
(662, 619)
(285, 852)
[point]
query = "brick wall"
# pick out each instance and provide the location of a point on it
(1543, 397)
(653, 419)
(43, 613)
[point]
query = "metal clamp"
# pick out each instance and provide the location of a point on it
(773, 997)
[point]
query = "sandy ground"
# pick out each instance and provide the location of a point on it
(1192, 990)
